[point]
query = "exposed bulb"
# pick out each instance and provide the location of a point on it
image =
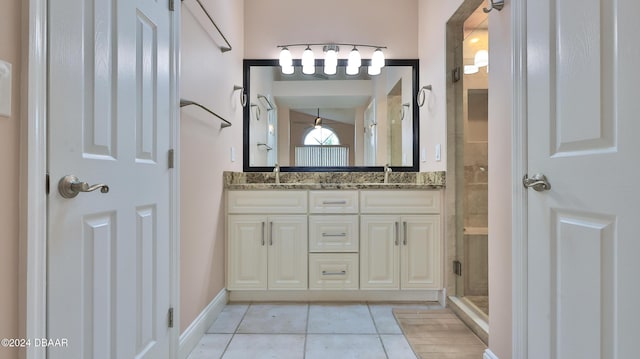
(352, 70)
(308, 60)
(308, 70)
(373, 70)
(354, 58)
(287, 70)
(377, 59)
(285, 57)
(330, 69)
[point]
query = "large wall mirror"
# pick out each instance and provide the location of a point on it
(331, 122)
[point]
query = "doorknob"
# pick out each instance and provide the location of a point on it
(69, 187)
(538, 182)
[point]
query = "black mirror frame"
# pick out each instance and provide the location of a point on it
(415, 167)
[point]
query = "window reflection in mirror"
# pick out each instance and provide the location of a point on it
(313, 121)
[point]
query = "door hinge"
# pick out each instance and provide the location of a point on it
(457, 268)
(455, 74)
(47, 182)
(171, 158)
(172, 5)
(170, 323)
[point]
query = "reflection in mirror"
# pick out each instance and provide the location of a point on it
(331, 122)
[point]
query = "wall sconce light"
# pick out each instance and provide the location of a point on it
(354, 61)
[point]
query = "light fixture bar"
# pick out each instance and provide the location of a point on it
(333, 43)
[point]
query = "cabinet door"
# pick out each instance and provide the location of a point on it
(379, 252)
(420, 253)
(247, 252)
(287, 243)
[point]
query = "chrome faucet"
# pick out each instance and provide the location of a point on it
(276, 171)
(387, 170)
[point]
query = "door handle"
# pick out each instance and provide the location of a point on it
(69, 186)
(538, 182)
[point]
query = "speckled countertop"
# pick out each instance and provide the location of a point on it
(334, 180)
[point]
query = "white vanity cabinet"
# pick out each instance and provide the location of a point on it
(267, 240)
(401, 250)
(365, 244)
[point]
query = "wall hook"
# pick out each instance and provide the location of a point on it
(422, 94)
(243, 95)
(494, 4)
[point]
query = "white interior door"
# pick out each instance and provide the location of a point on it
(583, 130)
(109, 122)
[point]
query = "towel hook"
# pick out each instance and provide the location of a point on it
(243, 95)
(494, 4)
(422, 94)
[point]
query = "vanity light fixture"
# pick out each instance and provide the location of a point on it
(330, 50)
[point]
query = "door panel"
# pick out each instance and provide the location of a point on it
(288, 255)
(582, 134)
(420, 259)
(247, 252)
(379, 252)
(109, 122)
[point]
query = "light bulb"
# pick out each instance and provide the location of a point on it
(377, 59)
(285, 57)
(352, 70)
(331, 58)
(308, 70)
(373, 70)
(308, 58)
(481, 58)
(330, 69)
(287, 70)
(354, 58)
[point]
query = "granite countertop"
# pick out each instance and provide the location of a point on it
(333, 180)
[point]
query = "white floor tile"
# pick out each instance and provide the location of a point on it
(383, 317)
(275, 318)
(229, 319)
(323, 346)
(263, 346)
(397, 347)
(211, 346)
(348, 318)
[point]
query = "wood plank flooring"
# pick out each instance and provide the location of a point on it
(438, 334)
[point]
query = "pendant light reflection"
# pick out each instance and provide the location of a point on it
(318, 122)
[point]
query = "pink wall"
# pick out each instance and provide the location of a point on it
(392, 23)
(208, 77)
(10, 49)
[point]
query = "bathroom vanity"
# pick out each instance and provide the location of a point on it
(334, 236)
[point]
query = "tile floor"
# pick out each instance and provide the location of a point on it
(306, 331)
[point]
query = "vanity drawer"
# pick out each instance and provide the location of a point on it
(333, 233)
(399, 201)
(333, 271)
(282, 202)
(333, 201)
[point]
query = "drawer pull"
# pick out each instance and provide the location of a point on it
(334, 235)
(334, 202)
(263, 233)
(396, 233)
(342, 272)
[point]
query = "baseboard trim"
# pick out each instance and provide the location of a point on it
(488, 354)
(196, 330)
(335, 295)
